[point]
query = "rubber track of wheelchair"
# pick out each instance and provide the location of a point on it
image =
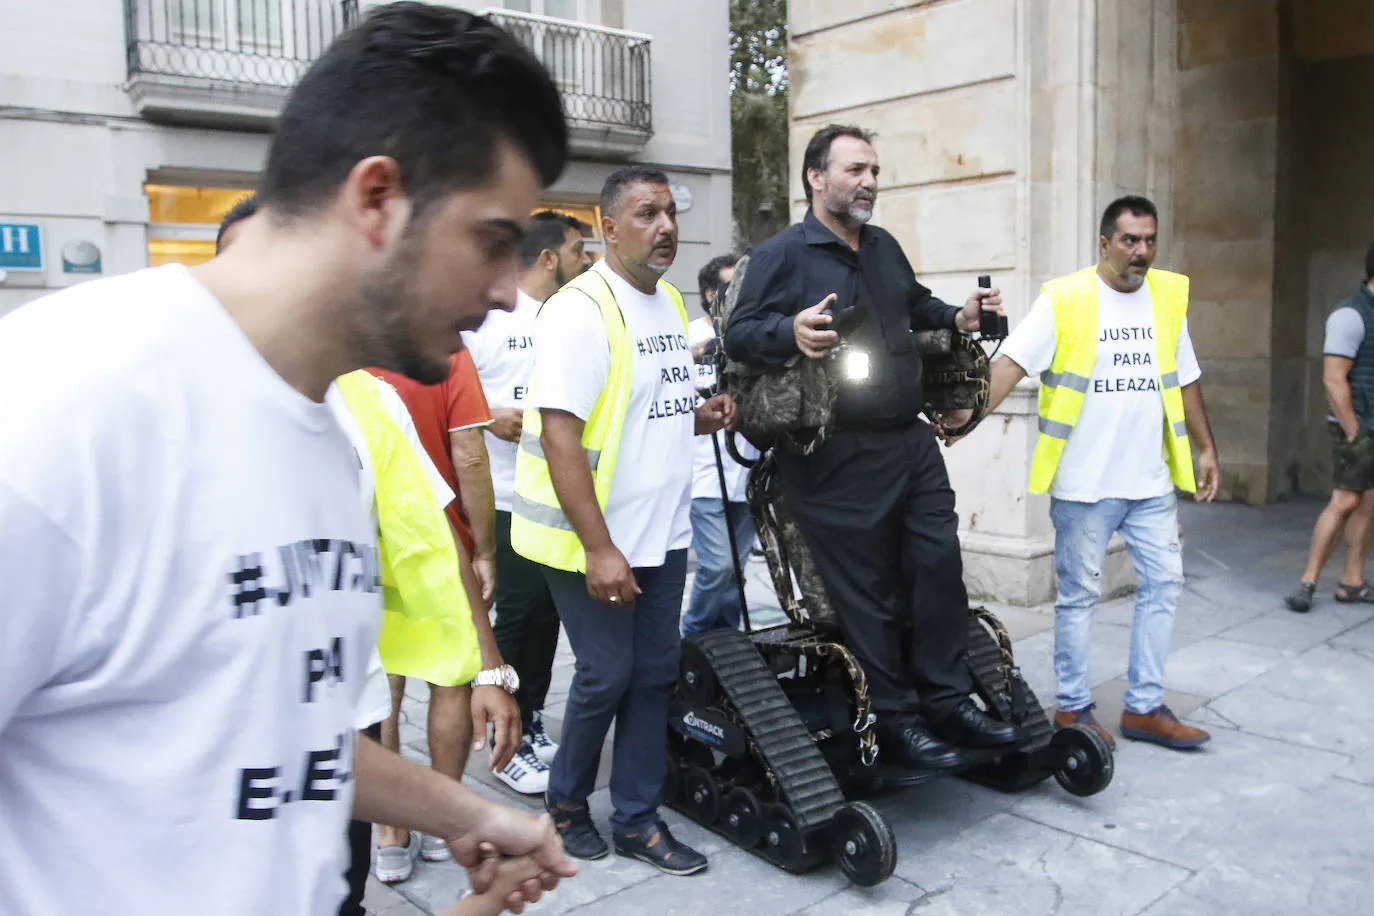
(806, 782)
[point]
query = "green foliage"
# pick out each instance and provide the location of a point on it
(758, 116)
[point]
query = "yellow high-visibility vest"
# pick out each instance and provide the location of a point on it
(427, 629)
(1063, 386)
(539, 529)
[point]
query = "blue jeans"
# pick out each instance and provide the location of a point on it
(1082, 531)
(626, 665)
(715, 595)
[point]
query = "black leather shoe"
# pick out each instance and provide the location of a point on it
(968, 726)
(662, 850)
(907, 743)
(574, 825)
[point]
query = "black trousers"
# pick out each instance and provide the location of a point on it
(359, 852)
(877, 511)
(526, 626)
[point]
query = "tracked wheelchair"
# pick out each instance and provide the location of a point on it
(771, 731)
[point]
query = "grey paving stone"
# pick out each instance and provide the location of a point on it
(380, 900)
(1007, 865)
(1318, 862)
(1356, 639)
(736, 883)
(1284, 629)
(1360, 769)
(924, 817)
(1188, 807)
(1309, 700)
(1212, 666)
(1022, 622)
(893, 897)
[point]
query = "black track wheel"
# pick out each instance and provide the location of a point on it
(700, 795)
(782, 838)
(742, 817)
(697, 683)
(864, 844)
(1082, 760)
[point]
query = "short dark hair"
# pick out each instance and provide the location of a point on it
(547, 231)
(709, 276)
(817, 155)
(1133, 204)
(1369, 264)
(240, 211)
(434, 88)
(617, 181)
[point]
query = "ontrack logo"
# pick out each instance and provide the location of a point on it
(691, 721)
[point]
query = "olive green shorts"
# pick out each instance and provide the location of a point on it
(1352, 463)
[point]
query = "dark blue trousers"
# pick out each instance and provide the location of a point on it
(626, 664)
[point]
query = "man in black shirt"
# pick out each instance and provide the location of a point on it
(874, 501)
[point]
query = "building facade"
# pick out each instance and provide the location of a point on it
(1005, 127)
(131, 126)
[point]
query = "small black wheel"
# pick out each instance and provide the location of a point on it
(672, 782)
(782, 839)
(864, 844)
(697, 683)
(700, 795)
(742, 816)
(1083, 761)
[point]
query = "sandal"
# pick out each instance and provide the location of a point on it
(1354, 594)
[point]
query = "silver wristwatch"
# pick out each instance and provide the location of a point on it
(504, 676)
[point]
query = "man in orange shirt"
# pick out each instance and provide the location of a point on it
(449, 418)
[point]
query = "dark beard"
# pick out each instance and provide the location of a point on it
(380, 332)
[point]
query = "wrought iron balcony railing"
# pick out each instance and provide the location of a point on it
(233, 44)
(603, 73)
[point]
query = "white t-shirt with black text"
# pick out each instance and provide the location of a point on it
(191, 599)
(1116, 450)
(503, 351)
(647, 509)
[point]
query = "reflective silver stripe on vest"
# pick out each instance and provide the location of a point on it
(1180, 429)
(1055, 429)
(548, 516)
(1069, 380)
(529, 443)
(1169, 380)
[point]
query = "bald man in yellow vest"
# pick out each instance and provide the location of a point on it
(1119, 399)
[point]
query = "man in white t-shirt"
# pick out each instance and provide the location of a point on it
(526, 625)
(715, 600)
(1348, 377)
(1119, 383)
(192, 590)
(630, 534)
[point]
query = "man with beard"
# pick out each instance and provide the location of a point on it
(192, 583)
(526, 627)
(602, 491)
(1119, 398)
(874, 501)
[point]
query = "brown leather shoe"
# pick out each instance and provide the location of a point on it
(1084, 716)
(1161, 726)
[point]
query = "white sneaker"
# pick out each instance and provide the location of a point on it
(526, 773)
(433, 849)
(544, 746)
(395, 863)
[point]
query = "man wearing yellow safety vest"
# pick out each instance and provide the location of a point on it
(1119, 398)
(602, 493)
